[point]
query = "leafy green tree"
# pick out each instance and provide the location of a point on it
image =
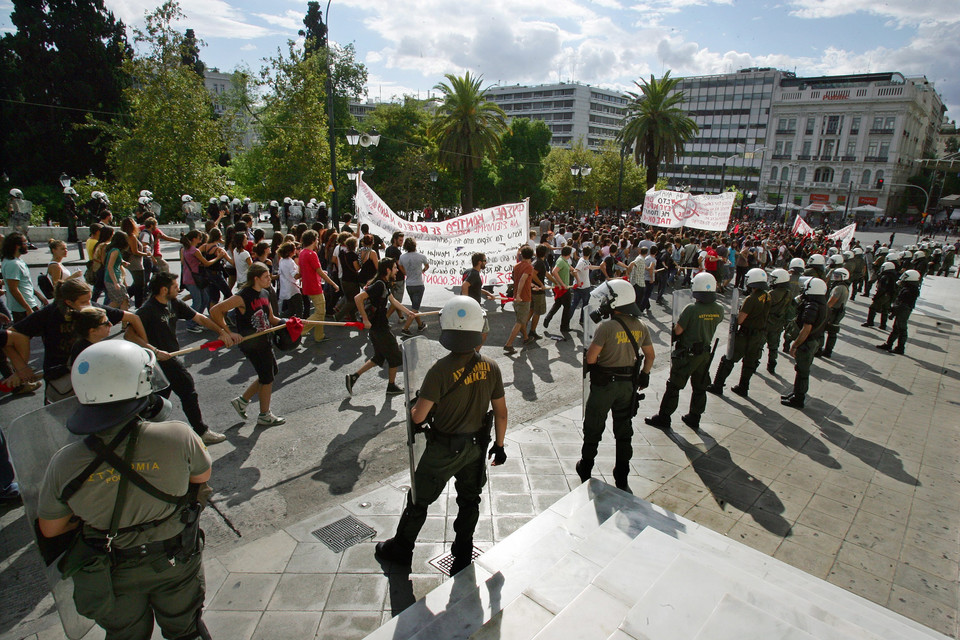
(63, 61)
(467, 129)
(656, 125)
(190, 55)
(169, 143)
(519, 163)
(315, 34)
(603, 185)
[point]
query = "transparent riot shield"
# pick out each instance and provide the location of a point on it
(23, 208)
(296, 214)
(681, 298)
(732, 329)
(419, 354)
(253, 207)
(311, 213)
(154, 208)
(32, 439)
(589, 329)
(192, 209)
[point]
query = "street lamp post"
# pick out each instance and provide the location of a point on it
(365, 140)
(926, 204)
(723, 170)
(786, 216)
(579, 172)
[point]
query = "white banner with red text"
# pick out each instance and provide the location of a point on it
(801, 228)
(845, 235)
(497, 232)
(679, 209)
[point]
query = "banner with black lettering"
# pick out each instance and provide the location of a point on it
(679, 209)
(498, 232)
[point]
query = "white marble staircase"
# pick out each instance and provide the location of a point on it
(603, 564)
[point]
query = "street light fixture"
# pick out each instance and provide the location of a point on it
(64, 180)
(723, 171)
(580, 172)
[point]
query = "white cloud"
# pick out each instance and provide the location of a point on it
(290, 20)
(209, 18)
(248, 47)
(908, 12)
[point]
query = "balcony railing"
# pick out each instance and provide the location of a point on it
(854, 132)
(882, 131)
(875, 159)
(787, 131)
(827, 158)
(804, 157)
(849, 158)
(781, 156)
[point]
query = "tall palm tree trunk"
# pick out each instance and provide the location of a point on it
(466, 193)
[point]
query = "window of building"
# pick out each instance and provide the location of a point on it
(851, 148)
(866, 177)
(855, 125)
(884, 149)
(873, 148)
(773, 174)
(823, 174)
(785, 173)
(828, 148)
(889, 123)
(779, 148)
(807, 147)
(833, 125)
(878, 122)
(788, 147)
(802, 174)
(810, 124)
(846, 176)
(880, 175)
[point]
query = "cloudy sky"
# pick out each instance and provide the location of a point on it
(408, 46)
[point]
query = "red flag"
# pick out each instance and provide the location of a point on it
(354, 325)
(213, 345)
(736, 229)
(596, 210)
(5, 388)
(294, 328)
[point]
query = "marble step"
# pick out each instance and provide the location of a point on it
(593, 615)
(734, 619)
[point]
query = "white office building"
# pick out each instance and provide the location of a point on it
(833, 139)
(572, 111)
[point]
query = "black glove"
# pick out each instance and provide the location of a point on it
(643, 380)
(498, 454)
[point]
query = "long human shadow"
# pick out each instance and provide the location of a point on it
(234, 482)
(787, 433)
(523, 375)
(540, 361)
(950, 373)
(27, 571)
(341, 465)
(738, 487)
(886, 461)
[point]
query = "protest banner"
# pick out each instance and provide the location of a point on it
(497, 232)
(845, 235)
(679, 209)
(801, 228)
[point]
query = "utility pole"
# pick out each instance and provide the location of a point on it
(331, 130)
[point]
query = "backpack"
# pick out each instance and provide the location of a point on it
(45, 286)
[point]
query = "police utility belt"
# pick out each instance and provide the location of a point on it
(602, 376)
(696, 349)
(456, 441)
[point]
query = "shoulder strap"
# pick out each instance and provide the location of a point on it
(633, 342)
(74, 485)
(475, 359)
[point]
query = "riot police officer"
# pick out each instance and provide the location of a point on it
(18, 215)
(879, 259)
(902, 307)
(836, 309)
(691, 355)
(812, 321)
(886, 289)
(191, 211)
(815, 266)
(617, 372)
(858, 272)
(70, 213)
(455, 396)
(751, 334)
(137, 511)
(790, 329)
(781, 304)
(946, 263)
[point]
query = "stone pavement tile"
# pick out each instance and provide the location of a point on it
(641, 487)
(824, 522)
(543, 467)
(287, 624)
(245, 592)
(851, 497)
(533, 450)
(385, 500)
(674, 455)
(876, 534)
(543, 501)
(301, 592)
(505, 525)
(687, 491)
(528, 436)
(900, 497)
(482, 534)
(743, 494)
(804, 558)
(890, 510)
(549, 483)
(800, 479)
(514, 464)
(236, 625)
(568, 450)
(865, 560)
(357, 592)
(451, 502)
(360, 558)
(266, 555)
(814, 539)
(670, 502)
(939, 564)
(860, 582)
(214, 575)
(784, 498)
(926, 584)
(424, 552)
(763, 470)
(301, 531)
(512, 504)
(942, 618)
(508, 483)
(832, 508)
(711, 519)
(656, 470)
(560, 437)
(779, 459)
(943, 526)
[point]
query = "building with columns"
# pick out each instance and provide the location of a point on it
(852, 138)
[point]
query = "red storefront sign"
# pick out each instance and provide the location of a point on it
(819, 197)
(866, 200)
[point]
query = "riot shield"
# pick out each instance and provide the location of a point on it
(32, 439)
(253, 207)
(154, 208)
(681, 298)
(734, 312)
(311, 214)
(23, 208)
(296, 214)
(192, 209)
(419, 354)
(589, 329)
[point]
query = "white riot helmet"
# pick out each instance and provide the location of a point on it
(95, 194)
(313, 201)
(937, 251)
(848, 255)
(322, 204)
(186, 198)
(287, 201)
(143, 200)
(224, 198)
(461, 324)
(887, 266)
(835, 260)
(16, 193)
(246, 200)
(910, 275)
(213, 201)
(951, 248)
(69, 191)
(840, 275)
(779, 277)
(816, 260)
(114, 381)
(815, 287)
(235, 202)
(273, 203)
(857, 251)
(906, 255)
(704, 287)
(103, 197)
(832, 250)
(146, 194)
(756, 279)
(883, 250)
(797, 264)
(893, 256)
(613, 295)
(919, 254)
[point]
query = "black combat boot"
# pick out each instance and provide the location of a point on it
(743, 388)
(691, 421)
(723, 371)
(886, 346)
(583, 469)
(658, 421)
(395, 551)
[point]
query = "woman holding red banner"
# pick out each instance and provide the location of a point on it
(254, 315)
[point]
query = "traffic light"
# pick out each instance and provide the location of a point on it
(879, 183)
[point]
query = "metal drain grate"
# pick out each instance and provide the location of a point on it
(344, 533)
(445, 562)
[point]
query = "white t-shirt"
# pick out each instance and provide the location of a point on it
(413, 263)
(240, 262)
(583, 270)
(287, 283)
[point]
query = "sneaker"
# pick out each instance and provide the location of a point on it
(27, 387)
(885, 346)
(422, 327)
(394, 389)
(11, 494)
(194, 328)
(240, 406)
(509, 350)
(269, 420)
(406, 331)
(212, 437)
(740, 391)
(351, 380)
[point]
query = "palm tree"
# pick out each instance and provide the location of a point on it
(467, 128)
(656, 126)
